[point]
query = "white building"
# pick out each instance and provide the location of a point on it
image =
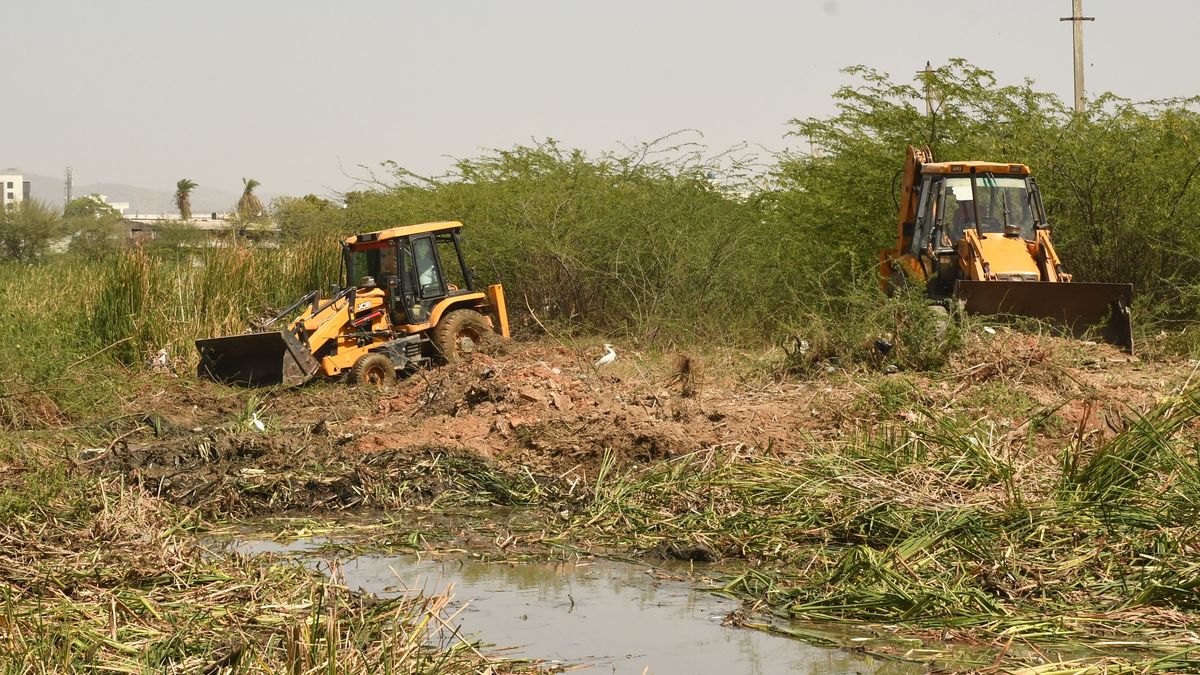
(119, 207)
(14, 189)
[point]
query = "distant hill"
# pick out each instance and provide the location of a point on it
(141, 200)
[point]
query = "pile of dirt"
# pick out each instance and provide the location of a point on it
(539, 409)
(543, 410)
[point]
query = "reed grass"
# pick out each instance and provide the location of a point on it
(74, 331)
(947, 529)
(97, 575)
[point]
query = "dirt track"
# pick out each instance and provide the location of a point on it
(543, 411)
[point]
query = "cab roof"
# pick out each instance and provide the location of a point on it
(979, 167)
(403, 231)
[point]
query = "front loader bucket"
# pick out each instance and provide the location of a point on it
(1080, 306)
(257, 359)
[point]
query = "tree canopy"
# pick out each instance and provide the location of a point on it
(668, 237)
(1118, 180)
(27, 229)
(89, 206)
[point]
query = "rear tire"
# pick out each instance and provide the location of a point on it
(460, 333)
(373, 369)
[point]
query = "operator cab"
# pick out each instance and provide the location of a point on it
(996, 200)
(417, 266)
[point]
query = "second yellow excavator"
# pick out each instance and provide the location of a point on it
(977, 233)
(410, 300)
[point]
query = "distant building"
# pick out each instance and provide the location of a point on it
(201, 221)
(119, 207)
(14, 189)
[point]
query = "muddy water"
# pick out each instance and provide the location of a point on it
(597, 615)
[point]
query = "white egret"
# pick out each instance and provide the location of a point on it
(160, 361)
(257, 423)
(609, 356)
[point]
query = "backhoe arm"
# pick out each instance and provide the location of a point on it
(1047, 258)
(970, 257)
(907, 218)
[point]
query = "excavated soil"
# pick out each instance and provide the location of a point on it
(543, 412)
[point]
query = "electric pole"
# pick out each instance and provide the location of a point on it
(927, 77)
(67, 186)
(928, 72)
(1077, 18)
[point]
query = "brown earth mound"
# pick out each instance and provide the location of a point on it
(543, 411)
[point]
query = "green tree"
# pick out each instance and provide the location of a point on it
(642, 242)
(183, 197)
(27, 230)
(298, 217)
(93, 225)
(89, 206)
(1119, 181)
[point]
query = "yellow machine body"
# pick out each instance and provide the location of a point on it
(976, 232)
(401, 318)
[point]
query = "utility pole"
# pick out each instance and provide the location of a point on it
(928, 73)
(67, 186)
(1078, 18)
(927, 78)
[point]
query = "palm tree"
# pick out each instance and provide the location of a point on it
(249, 206)
(183, 197)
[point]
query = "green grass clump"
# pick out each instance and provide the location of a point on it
(947, 526)
(858, 327)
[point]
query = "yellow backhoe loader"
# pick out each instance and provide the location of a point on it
(976, 233)
(410, 300)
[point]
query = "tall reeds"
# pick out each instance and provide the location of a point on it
(68, 319)
(123, 312)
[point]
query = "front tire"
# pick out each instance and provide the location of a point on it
(373, 369)
(460, 333)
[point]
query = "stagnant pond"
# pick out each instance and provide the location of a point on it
(593, 615)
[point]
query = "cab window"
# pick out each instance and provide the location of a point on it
(451, 269)
(1002, 201)
(377, 262)
(429, 277)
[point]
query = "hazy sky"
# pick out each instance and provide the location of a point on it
(297, 93)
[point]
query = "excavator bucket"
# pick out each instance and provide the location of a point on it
(257, 359)
(1085, 308)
